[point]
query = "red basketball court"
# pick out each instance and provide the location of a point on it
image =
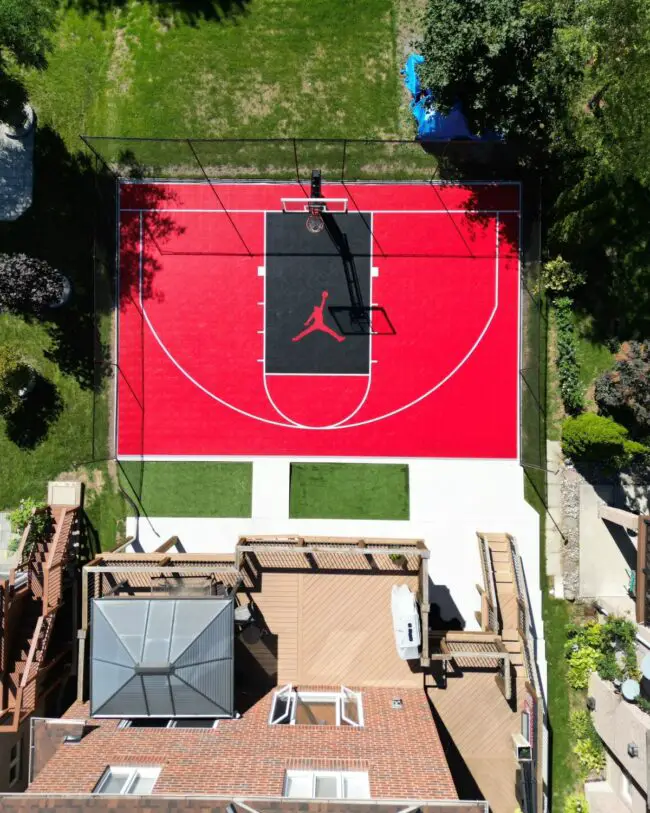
(234, 333)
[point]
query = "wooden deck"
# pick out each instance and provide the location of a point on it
(481, 723)
(335, 628)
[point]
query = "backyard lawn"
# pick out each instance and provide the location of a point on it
(349, 491)
(264, 68)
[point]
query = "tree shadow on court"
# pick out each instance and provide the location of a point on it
(186, 12)
(30, 423)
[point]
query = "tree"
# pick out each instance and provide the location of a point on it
(24, 29)
(624, 394)
(612, 123)
(25, 26)
(503, 61)
(28, 285)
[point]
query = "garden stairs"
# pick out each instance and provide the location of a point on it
(30, 599)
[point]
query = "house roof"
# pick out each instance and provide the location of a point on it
(161, 657)
(400, 749)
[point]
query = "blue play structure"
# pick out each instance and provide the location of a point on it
(432, 124)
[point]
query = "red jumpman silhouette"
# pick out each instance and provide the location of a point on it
(316, 322)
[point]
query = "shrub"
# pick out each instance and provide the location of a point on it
(21, 517)
(576, 803)
(592, 647)
(591, 438)
(559, 276)
(581, 724)
(28, 285)
(567, 358)
(623, 393)
(582, 662)
(644, 704)
(14, 375)
(591, 756)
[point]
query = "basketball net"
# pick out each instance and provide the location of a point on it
(315, 223)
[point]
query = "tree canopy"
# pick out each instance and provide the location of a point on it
(502, 59)
(24, 29)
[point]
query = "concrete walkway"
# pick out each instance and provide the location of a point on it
(607, 552)
(271, 483)
(16, 173)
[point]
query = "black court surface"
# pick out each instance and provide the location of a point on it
(305, 278)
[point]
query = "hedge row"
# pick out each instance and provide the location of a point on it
(567, 357)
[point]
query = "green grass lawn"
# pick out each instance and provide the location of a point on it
(349, 491)
(593, 356)
(57, 435)
(276, 68)
(189, 489)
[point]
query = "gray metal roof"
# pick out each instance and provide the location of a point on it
(160, 657)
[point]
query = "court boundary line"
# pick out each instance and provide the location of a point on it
(356, 424)
(373, 211)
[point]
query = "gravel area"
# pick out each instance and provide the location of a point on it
(571, 481)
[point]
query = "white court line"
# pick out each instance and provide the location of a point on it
(317, 375)
(293, 425)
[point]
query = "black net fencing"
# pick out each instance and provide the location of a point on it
(292, 159)
(533, 332)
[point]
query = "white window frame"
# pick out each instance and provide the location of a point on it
(130, 774)
(292, 697)
(15, 762)
(127, 723)
(338, 775)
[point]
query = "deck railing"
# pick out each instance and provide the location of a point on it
(534, 684)
(489, 595)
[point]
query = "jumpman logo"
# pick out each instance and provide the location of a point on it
(317, 322)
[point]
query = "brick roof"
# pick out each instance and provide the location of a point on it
(400, 750)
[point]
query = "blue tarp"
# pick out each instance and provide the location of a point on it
(410, 74)
(432, 124)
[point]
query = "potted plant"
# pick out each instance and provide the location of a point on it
(398, 558)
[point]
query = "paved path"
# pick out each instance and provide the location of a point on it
(271, 481)
(606, 552)
(16, 173)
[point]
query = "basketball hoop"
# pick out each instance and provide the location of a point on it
(315, 223)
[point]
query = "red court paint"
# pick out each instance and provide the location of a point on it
(191, 376)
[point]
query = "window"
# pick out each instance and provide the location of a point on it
(163, 722)
(326, 785)
(118, 781)
(14, 762)
(291, 707)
